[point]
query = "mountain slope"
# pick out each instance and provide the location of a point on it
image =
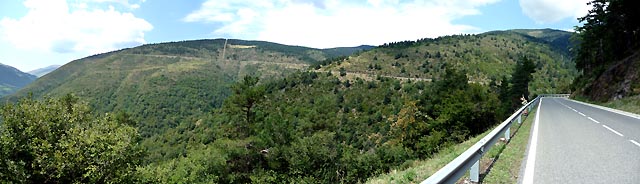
(12, 79)
(163, 85)
(301, 127)
(43, 71)
(486, 57)
(620, 80)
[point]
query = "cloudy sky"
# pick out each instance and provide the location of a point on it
(39, 33)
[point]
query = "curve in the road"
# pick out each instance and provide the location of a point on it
(573, 142)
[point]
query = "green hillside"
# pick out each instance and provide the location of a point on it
(163, 85)
(486, 57)
(608, 54)
(12, 79)
(250, 111)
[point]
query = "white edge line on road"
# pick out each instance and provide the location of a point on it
(593, 120)
(531, 156)
(634, 142)
(628, 114)
(614, 131)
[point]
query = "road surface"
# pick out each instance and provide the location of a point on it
(576, 143)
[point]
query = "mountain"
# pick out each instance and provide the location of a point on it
(43, 71)
(620, 80)
(350, 118)
(165, 84)
(556, 38)
(608, 54)
(486, 57)
(356, 113)
(346, 51)
(12, 79)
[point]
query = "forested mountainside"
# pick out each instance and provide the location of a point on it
(12, 79)
(487, 58)
(162, 85)
(608, 53)
(257, 112)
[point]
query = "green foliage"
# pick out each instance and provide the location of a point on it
(312, 128)
(608, 39)
(168, 87)
(484, 57)
(611, 31)
(12, 79)
(58, 141)
(520, 79)
(246, 95)
(200, 126)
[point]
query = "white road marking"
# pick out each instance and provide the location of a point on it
(634, 142)
(531, 158)
(614, 131)
(632, 115)
(593, 120)
(582, 114)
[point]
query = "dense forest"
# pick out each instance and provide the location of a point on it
(486, 57)
(608, 52)
(309, 127)
(205, 112)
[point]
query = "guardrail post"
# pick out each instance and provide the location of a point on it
(519, 118)
(507, 133)
(474, 172)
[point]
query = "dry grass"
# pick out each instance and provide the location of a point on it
(629, 104)
(421, 170)
(504, 170)
(241, 46)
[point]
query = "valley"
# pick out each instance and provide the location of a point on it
(269, 112)
(452, 92)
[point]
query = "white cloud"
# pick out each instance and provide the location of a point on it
(551, 11)
(53, 25)
(125, 3)
(331, 23)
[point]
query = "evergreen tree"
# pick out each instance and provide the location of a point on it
(246, 95)
(611, 31)
(520, 79)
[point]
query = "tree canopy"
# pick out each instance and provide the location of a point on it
(58, 141)
(611, 31)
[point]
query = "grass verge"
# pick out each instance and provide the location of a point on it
(506, 168)
(629, 104)
(421, 170)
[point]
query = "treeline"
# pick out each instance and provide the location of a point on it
(409, 43)
(610, 32)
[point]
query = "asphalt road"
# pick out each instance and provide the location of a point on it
(577, 143)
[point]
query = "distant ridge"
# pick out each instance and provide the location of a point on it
(12, 79)
(43, 71)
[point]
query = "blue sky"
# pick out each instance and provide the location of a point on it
(39, 33)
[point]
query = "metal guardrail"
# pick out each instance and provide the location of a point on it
(470, 159)
(555, 95)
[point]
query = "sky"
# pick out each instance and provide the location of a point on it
(39, 33)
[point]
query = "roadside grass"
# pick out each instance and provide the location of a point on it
(422, 169)
(629, 104)
(507, 167)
